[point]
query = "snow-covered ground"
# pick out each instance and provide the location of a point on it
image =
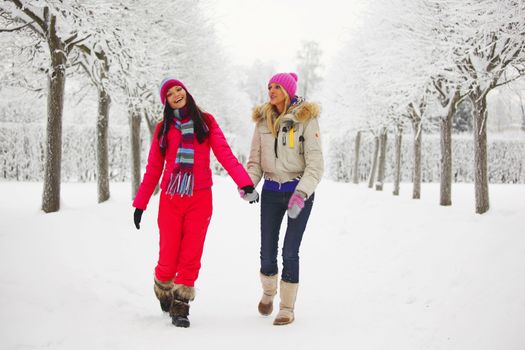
(377, 272)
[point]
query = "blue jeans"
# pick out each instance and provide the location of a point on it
(273, 209)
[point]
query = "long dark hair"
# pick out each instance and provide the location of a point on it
(200, 122)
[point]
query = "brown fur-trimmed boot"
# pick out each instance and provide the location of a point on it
(269, 285)
(164, 292)
(288, 295)
(180, 307)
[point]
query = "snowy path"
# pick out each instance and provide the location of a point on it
(377, 272)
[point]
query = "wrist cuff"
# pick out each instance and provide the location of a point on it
(302, 194)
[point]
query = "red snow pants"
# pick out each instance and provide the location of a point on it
(183, 223)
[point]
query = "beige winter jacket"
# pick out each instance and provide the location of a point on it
(296, 152)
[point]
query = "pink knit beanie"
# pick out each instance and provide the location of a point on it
(287, 80)
(167, 84)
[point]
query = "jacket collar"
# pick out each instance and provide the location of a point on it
(299, 111)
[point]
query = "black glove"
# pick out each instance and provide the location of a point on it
(249, 193)
(137, 216)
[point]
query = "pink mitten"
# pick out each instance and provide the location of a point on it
(295, 205)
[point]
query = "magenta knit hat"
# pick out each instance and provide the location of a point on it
(287, 80)
(167, 84)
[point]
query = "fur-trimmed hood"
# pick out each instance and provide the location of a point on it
(301, 111)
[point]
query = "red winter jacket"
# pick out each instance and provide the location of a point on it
(201, 167)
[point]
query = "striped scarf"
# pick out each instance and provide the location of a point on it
(181, 179)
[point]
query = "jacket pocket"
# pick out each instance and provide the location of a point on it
(267, 152)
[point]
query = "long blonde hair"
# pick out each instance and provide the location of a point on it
(269, 111)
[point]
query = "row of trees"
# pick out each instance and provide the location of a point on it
(411, 64)
(505, 159)
(414, 62)
(22, 156)
(123, 50)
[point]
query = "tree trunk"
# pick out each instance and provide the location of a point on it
(416, 172)
(151, 123)
(445, 193)
(481, 181)
(356, 157)
(102, 146)
(522, 118)
(55, 107)
(151, 127)
(522, 112)
(135, 151)
(382, 161)
(372, 176)
(397, 171)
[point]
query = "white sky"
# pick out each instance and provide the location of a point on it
(272, 30)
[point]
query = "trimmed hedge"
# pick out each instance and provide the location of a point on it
(506, 158)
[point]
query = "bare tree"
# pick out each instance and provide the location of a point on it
(357, 147)
(135, 120)
(519, 95)
(104, 101)
(309, 64)
(492, 41)
(255, 79)
(96, 65)
(373, 169)
(382, 159)
(50, 23)
(397, 167)
(448, 97)
(416, 112)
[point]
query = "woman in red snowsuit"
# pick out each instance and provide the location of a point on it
(181, 151)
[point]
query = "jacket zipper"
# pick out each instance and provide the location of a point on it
(275, 143)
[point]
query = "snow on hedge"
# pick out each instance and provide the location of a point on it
(506, 158)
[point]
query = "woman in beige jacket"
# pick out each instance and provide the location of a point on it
(286, 152)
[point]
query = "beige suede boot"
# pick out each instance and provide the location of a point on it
(288, 294)
(269, 285)
(164, 292)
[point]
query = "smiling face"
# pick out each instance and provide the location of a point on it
(277, 96)
(176, 97)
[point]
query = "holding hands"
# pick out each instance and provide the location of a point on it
(249, 194)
